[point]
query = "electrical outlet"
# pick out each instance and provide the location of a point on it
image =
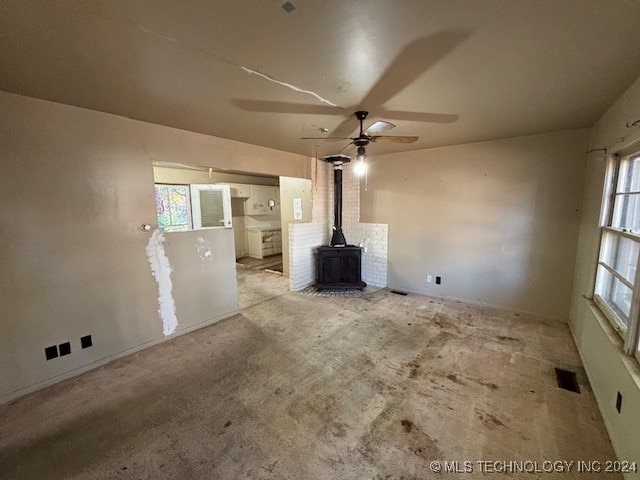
(64, 349)
(86, 341)
(429, 279)
(51, 352)
(438, 281)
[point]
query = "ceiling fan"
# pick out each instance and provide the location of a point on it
(371, 134)
(409, 64)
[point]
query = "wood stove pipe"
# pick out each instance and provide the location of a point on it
(337, 238)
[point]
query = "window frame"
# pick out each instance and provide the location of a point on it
(629, 333)
(189, 209)
(196, 215)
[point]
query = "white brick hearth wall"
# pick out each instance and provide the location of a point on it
(304, 238)
(373, 237)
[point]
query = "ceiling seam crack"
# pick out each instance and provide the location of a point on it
(288, 85)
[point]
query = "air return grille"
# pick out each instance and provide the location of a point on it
(567, 380)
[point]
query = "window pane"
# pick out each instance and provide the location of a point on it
(621, 254)
(179, 206)
(629, 175)
(172, 208)
(626, 212)
(211, 208)
(614, 293)
(163, 211)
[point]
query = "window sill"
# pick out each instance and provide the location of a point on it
(629, 362)
(611, 317)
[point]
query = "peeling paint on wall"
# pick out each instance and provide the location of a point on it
(204, 249)
(161, 269)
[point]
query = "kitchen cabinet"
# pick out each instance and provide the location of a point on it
(264, 200)
(240, 236)
(240, 191)
(263, 243)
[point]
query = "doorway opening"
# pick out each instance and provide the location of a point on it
(196, 205)
(192, 197)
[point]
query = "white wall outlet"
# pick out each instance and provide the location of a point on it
(429, 279)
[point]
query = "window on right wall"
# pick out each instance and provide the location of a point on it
(617, 288)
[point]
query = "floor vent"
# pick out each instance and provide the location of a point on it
(404, 294)
(567, 380)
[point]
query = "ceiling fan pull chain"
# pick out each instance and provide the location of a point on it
(366, 178)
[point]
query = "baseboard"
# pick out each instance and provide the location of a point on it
(481, 304)
(601, 409)
(8, 397)
(627, 363)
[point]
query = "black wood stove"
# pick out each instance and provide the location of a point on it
(338, 266)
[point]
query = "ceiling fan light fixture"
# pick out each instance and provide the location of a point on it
(360, 166)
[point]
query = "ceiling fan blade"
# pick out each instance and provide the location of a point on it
(285, 107)
(414, 59)
(347, 127)
(333, 139)
(420, 116)
(349, 149)
(378, 127)
(394, 138)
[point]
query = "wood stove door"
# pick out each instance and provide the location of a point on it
(339, 266)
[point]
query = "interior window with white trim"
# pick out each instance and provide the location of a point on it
(617, 281)
(192, 207)
(173, 208)
(211, 206)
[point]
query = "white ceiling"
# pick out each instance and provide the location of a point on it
(491, 68)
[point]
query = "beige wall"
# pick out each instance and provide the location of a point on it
(291, 188)
(76, 186)
(184, 176)
(609, 370)
(497, 220)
